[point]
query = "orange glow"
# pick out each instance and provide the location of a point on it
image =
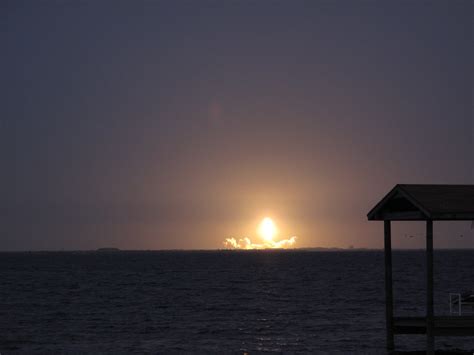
(267, 230)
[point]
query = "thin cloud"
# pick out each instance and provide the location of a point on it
(246, 244)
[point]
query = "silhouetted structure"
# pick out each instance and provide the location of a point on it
(423, 203)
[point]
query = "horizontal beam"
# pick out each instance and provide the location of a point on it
(399, 216)
(443, 326)
(416, 216)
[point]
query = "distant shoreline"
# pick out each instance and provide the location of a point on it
(317, 249)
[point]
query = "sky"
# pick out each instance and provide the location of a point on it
(178, 124)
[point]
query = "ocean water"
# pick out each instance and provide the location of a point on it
(217, 302)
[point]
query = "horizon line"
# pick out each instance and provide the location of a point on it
(309, 249)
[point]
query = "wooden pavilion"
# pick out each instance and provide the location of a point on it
(423, 203)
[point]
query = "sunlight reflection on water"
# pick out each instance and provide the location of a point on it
(291, 301)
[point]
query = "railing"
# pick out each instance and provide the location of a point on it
(458, 300)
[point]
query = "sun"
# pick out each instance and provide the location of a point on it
(270, 235)
(267, 229)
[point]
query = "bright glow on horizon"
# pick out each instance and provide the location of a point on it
(267, 230)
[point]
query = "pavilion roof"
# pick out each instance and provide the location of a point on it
(426, 202)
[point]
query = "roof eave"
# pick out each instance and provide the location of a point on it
(423, 213)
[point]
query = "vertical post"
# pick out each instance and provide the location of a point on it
(388, 286)
(429, 289)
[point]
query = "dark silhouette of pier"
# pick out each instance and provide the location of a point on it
(427, 203)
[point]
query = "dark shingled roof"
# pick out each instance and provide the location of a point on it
(423, 202)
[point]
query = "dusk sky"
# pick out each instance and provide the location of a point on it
(178, 124)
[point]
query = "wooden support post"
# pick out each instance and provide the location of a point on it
(388, 286)
(429, 289)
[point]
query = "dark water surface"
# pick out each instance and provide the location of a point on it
(161, 302)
